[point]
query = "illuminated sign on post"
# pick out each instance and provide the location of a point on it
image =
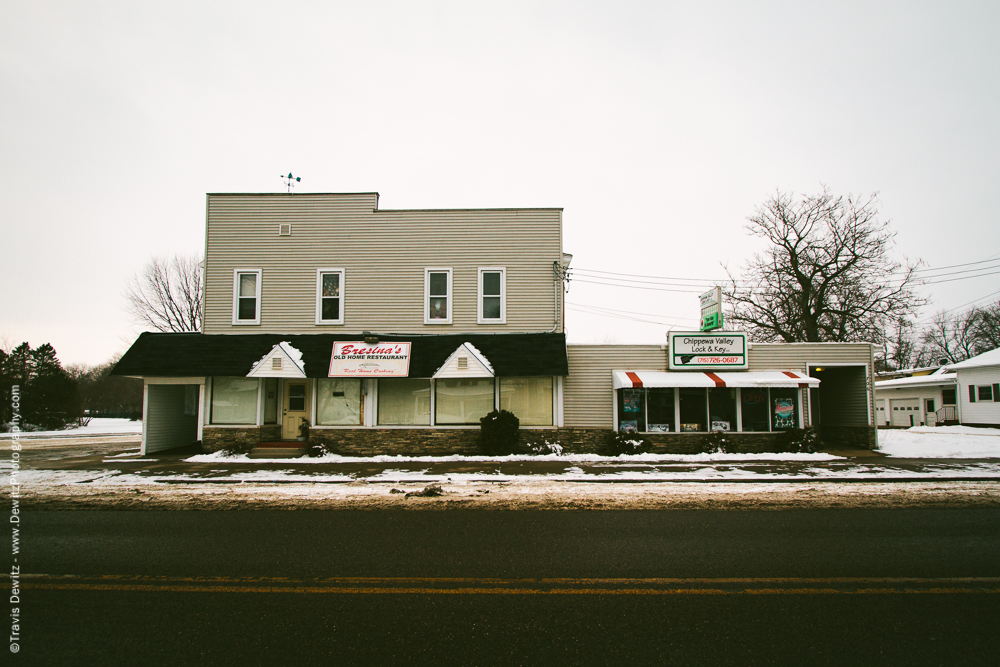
(360, 359)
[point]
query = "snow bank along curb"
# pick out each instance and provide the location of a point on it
(520, 495)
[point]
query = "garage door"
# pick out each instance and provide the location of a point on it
(903, 409)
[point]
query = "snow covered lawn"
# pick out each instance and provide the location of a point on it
(940, 442)
(97, 426)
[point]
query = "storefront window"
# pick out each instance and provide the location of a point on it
(660, 406)
(784, 409)
(463, 400)
(338, 402)
(694, 415)
(234, 401)
(631, 410)
(722, 409)
(271, 400)
(753, 404)
(530, 399)
(404, 402)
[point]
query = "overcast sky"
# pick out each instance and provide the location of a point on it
(658, 127)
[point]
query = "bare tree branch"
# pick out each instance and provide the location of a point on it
(166, 295)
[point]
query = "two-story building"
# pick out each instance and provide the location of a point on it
(395, 331)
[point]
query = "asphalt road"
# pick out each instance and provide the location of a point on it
(863, 587)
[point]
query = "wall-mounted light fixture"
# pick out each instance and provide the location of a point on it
(370, 338)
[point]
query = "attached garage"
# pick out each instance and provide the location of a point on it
(905, 412)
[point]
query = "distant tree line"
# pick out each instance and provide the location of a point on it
(53, 396)
(948, 340)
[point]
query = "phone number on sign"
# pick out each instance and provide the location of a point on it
(718, 360)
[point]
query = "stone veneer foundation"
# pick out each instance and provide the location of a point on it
(443, 442)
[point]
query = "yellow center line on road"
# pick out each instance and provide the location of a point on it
(493, 586)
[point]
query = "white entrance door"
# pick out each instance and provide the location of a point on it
(295, 408)
(903, 409)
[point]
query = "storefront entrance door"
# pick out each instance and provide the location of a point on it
(295, 409)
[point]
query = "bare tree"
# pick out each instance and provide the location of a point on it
(828, 275)
(166, 295)
(988, 327)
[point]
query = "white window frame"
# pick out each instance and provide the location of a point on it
(319, 296)
(427, 295)
(502, 270)
(236, 297)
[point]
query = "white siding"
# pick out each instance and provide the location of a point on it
(980, 412)
(383, 254)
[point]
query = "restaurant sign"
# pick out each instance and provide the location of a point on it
(700, 350)
(359, 359)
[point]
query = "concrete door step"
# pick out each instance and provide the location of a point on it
(276, 452)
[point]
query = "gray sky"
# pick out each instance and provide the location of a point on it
(658, 126)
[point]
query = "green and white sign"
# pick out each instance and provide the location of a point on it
(711, 309)
(699, 350)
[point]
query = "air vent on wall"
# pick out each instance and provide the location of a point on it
(463, 362)
(276, 363)
(284, 230)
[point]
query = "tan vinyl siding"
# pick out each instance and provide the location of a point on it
(851, 407)
(166, 424)
(587, 390)
(383, 254)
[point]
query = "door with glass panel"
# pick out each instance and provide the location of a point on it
(295, 408)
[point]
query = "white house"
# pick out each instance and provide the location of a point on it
(918, 400)
(979, 389)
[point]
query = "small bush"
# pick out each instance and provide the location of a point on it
(543, 448)
(315, 450)
(718, 442)
(499, 433)
(616, 444)
(800, 440)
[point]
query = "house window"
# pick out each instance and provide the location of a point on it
(338, 402)
(234, 400)
(404, 402)
(329, 296)
(929, 405)
(462, 400)
(529, 398)
(437, 296)
(986, 392)
(493, 295)
(246, 296)
(948, 396)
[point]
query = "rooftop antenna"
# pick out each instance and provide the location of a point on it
(290, 180)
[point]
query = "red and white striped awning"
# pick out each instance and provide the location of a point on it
(708, 379)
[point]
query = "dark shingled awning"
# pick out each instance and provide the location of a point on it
(201, 355)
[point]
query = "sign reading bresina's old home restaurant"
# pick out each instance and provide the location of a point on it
(699, 350)
(360, 359)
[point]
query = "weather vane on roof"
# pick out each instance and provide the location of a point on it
(290, 180)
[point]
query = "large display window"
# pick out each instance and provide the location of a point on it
(721, 409)
(404, 402)
(234, 400)
(631, 410)
(338, 402)
(461, 401)
(529, 398)
(760, 409)
(754, 407)
(694, 409)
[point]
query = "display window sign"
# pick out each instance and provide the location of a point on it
(360, 359)
(699, 350)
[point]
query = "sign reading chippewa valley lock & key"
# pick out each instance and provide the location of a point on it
(700, 350)
(357, 360)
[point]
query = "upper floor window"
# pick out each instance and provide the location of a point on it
(246, 296)
(493, 295)
(437, 296)
(329, 296)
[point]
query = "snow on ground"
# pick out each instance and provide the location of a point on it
(97, 426)
(562, 458)
(940, 442)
